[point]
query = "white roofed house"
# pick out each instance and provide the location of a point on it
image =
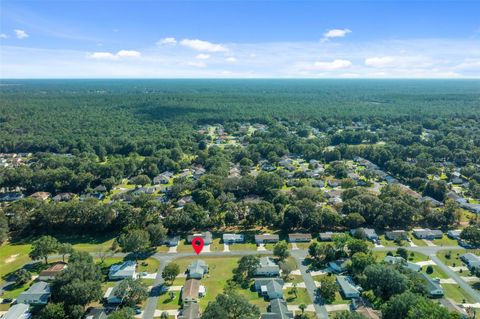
(267, 267)
(347, 287)
(206, 236)
(233, 238)
(429, 234)
(18, 311)
(471, 260)
(38, 294)
(271, 288)
(266, 238)
(197, 269)
(125, 270)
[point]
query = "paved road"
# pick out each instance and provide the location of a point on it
(151, 303)
(464, 285)
(320, 309)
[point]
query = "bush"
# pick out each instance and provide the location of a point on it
(429, 270)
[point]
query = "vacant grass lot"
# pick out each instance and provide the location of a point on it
(456, 293)
(13, 257)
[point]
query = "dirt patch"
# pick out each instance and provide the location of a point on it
(11, 258)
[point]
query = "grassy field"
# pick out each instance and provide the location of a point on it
(165, 303)
(445, 241)
(301, 297)
(13, 257)
(454, 260)
(418, 242)
(456, 293)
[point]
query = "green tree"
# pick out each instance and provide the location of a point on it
(22, 276)
(132, 292)
(3, 228)
(384, 281)
(80, 283)
(141, 180)
(65, 249)
(158, 234)
(53, 311)
(42, 247)
(471, 234)
(328, 288)
(245, 269)
(281, 250)
(124, 313)
(170, 272)
(360, 261)
(135, 241)
(402, 252)
(231, 306)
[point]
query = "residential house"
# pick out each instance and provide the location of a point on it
(190, 310)
(112, 296)
(454, 234)
(206, 236)
(192, 290)
(394, 260)
(270, 288)
(434, 289)
(429, 234)
(41, 195)
(327, 236)
(233, 238)
(266, 238)
(37, 294)
(471, 260)
(396, 235)
(369, 233)
(63, 197)
(267, 267)
(333, 182)
(277, 310)
(339, 266)
(183, 201)
(125, 270)
(197, 269)
(347, 287)
(51, 272)
(161, 179)
(18, 311)
(100, 189)
(10, 197)
(299, 238)
(96, 313)
(433, 202)
(172, 241)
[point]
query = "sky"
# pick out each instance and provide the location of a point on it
(239, 39)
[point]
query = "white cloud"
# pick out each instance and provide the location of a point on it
(336, 33)
(197, 64)
(203, 56)
(20, 34)
(113, 57)
(167, 41)
(3, 36)
(334, 65)
(200, 45)
(103, 56)
(231, 59)
(128, 54)
(380, 62)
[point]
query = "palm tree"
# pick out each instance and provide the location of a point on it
(302, 307)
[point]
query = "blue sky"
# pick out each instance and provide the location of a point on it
(159, 39)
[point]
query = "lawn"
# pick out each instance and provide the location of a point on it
(244, 246)
(445, 241)
(418, 242)
(456, 293)
(149, 265)
(165, 303)
(339, 299)
(302, 296)
(437, 272)
(454, 260)
(13, 257)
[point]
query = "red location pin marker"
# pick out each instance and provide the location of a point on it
(197, 244)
